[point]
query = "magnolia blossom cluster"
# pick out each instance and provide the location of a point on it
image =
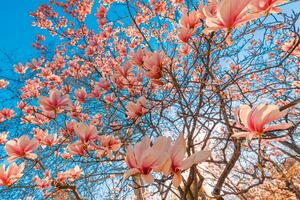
(224, 15)
(161, 156)
(151, 63)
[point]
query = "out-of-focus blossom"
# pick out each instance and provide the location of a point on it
(11, 174)
(80, 95)
(3, 137)
(76, 148)
(265, 6)
(185, 34)
(3, 83)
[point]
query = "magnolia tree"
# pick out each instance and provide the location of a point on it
(155, 100)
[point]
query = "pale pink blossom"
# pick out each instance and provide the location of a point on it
(56, 102)
(185, 34)
(76, 148)
(3, 137)
(190, 21)
(265, 6)
(178, 161)
(109, 144)
(136, 109)
(230, 14)
(22, 147)
(144, 157)
(3, 83)
(80, 95)
(44, 138)
(254, 120)
(74, 173)
(86, 133)
(11, 174)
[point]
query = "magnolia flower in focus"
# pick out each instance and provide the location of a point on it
(21, 148)
(144, 157)
(190, 21)
(56, 102)
(254, 120)
(86, 133)
(136, 109)
(153, 63)
(11, 174)
(178, 161)
(230, 14)
(109, 143)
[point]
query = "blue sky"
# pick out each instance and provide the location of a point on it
(17, 34)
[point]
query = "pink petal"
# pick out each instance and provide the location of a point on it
(131, 172)
(281, 126)
(177, 179)
(147, 178)
(240, 134)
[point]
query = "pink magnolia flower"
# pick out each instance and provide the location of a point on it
(3, 136)
(74, 173)
(265, 6)
(20, 68)
(42, 183)
(190, 21)
(80, 95)
(136, 109)
(21, 148)
(3, 83)
(86, 133)
(44, 138)
(185, 34)
(76, 148)
(137, 58)
(153, 63)
(109, 143)
(230, 14)
(210, 8)
(253, 121)
(11, 174)
(56, 102)
(143, 158)
(178, 161)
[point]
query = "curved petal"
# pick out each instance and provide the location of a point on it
(178, 150)
(148, 178)
(201, 156)
(131, 172)
(281, 126)
(176, 179)
(188, 162)
(240, 134)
